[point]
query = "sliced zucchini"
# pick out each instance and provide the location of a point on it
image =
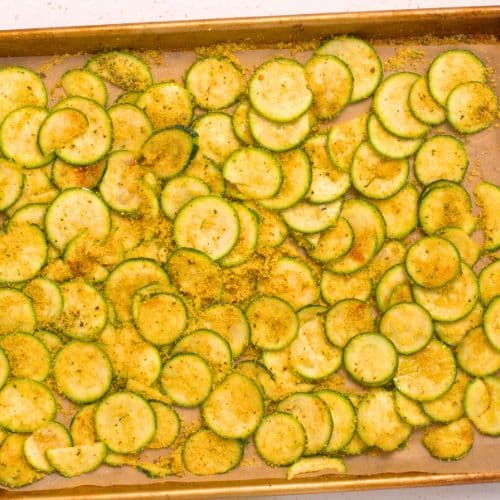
(205, 453)
(410, 411)
(401, 293)
(379, 423)
(12, 182)
(235, 407)
(26, 405)
(77, 460)
(491, 323)
(453, 332)
(280, 439)
(453, 301)
(272, 229)
(240, 122)
(423, 105)
(18, 137)
(489, 282)
(362, 60)
(216, 137)
(204, 169)
(179, 191)
(84, 83)
(208, 224)
(427, 374)
(125, 422)
(390, 104)
(278, 90)
(33, 213)
(82, 426)
(23, 252)
(355, 446)
(122, 69)
(67, 176)
(131, 127)
(16, 312)
(482, 403)
(348, 318)
(215, 82)
(337, 287)
(286, 277)
(487, 196)
(451, 68)
(449, 406)
(476, 356)
(20, 87)
(314, 416)
(331, 83)
(375, 176)
(260, 374)
(195, 274)
(82, 372)
(387, 144)
(306, 465)
(187, 379)
(52, 435)
(128, 97)
(4, 368)
(344, 139)
(306, 217)
(333, 243)
(51, 340)
(468, 249)
(147, 392)
(451, 441)
(27, 356)
(167, 425)
(95, 142)
(408, 326)
(370, 359)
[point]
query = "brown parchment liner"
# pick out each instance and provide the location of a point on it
(484, 156)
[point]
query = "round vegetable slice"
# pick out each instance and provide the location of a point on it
(491, 323)
(84, 83)
(179, 191)
(451, 441)
(467, 247)
(489, 282)
(16, 312)
(131, 127)
(422, 104)
(306, 217)
(77, 460)
(410, 411)
(476, 356)
(482, 403)
(12, 181)
(4, 368)
(167, 425)
(337, 287)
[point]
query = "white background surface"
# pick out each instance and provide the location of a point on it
(45, 13)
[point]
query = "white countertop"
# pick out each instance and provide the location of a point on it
(46, 13)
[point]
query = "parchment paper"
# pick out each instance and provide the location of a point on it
(484, 155)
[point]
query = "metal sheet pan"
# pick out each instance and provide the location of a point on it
(261, 32)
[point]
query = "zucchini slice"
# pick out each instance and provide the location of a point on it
(12, 182)
(279, 136)
(82, 372)
(427, 374)
(23, 252)
(208, 224)
(390, 104)
(363, 61)
(468, 249)
(52, 435)
(84, 83)
(387, 144)
(346, 319)
(491, 323)
(125, 422)
(187, 379)
(272, 229)
(441, 157)
(408, 326)
(128, 97)
(392, 253)
(423, 105)
(253, 173)
(379, 423)
(449, 406)
(18, 137)
(355, 446)
(453, 332)
(306, 217)
(487, 196)
(214, 82)
(33, 213)
(344, 139)
(82, 426)
(205, 453)
(343, 417)
(179, 191)
(167, 425)
(453, 301)
(375, 176)
(314, 416)
(451, 68)
(4, 368)
(28, 357)
(280, 439)
(235, 407)
(67, 176)
(333, 243)
(476, 356)
(278, 90)
(489, 282)
(370, 359)
(451, 441)
(26, 405)
(16, 312)
(131, 127)
(240, 122)
(77, 460)
(337, 287)
(482, 404)
(306, 465)
(401, 293)
(410, 411)
(286, 277)
(95, 142)
(207, 171)
(122, 69)
(20, 87)
(331, 84)
(50, 340)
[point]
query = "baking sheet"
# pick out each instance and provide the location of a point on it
(484, 157)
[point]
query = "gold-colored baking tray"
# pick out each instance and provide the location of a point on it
(187, 35)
